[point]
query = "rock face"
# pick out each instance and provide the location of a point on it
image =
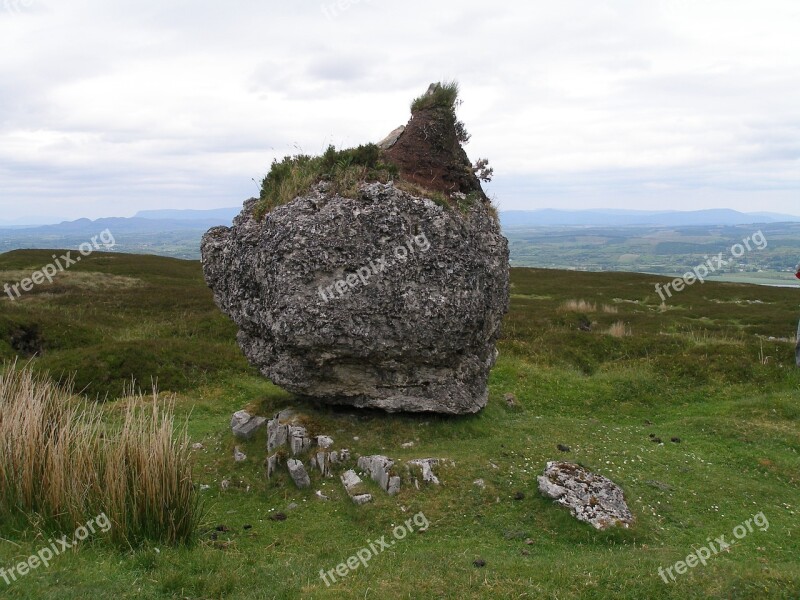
(387, 300)
(591, 498)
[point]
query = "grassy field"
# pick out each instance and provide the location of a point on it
(713, 368)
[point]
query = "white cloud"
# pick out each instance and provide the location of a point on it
(110, 107)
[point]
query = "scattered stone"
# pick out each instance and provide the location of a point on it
(379, 469)
(591, 498)
(356, 438)
(279, 516)
(563, 448)
(292, 506)
(240, 417)
(324, 441)
(426, 465)
(391, 139)
(298, 473)
(320, 495)
(529, 541)
(480, 483)
(407, 445)
(350, 480)
(480, 563)
(510, 399)
(362, 498)
(204, 487)
(197, 446)
(244, 426)
(225, 485)
(272, 464)
(519, 496)
(238, 455)
(277, 434)
(299, 441)
(677, 440)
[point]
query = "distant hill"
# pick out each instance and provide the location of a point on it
(223, 215)
(550, 217)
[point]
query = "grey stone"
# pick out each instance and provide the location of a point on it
(248, 429)
(197, 446)
(324, 441)
(320, 495)
(379, 468)
(272, 464)
(298, 473)
(362, 498)
(350, 480)
(416, 335)
(391, 139)
(239, 418)
(299, 441)
(591, 498)
(426, 464)
(238, 455)
(277, 434)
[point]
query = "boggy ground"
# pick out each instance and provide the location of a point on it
(599, 376)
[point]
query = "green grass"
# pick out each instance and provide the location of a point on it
(702, 369)
(343, 169)
(444, 95)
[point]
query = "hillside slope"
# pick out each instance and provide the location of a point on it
(713, 368)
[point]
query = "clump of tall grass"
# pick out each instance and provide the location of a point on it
(618, 329)
(586, 307)
(63, 463)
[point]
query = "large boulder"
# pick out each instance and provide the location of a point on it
(391, 299)
(388, 300)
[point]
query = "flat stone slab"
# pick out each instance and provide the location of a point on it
(591, 498)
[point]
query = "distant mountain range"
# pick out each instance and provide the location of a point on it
(550, 217)
(177, 233)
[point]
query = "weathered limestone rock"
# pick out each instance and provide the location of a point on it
(379, 469)
(298, 473)
(591, 498)
(238, 455)
(362, 498)
(387, 299)
(391, 139)
(244, 425)
(426, 464)
(326, 306)
(350, 480)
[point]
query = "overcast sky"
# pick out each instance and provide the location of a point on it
(114, 106)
